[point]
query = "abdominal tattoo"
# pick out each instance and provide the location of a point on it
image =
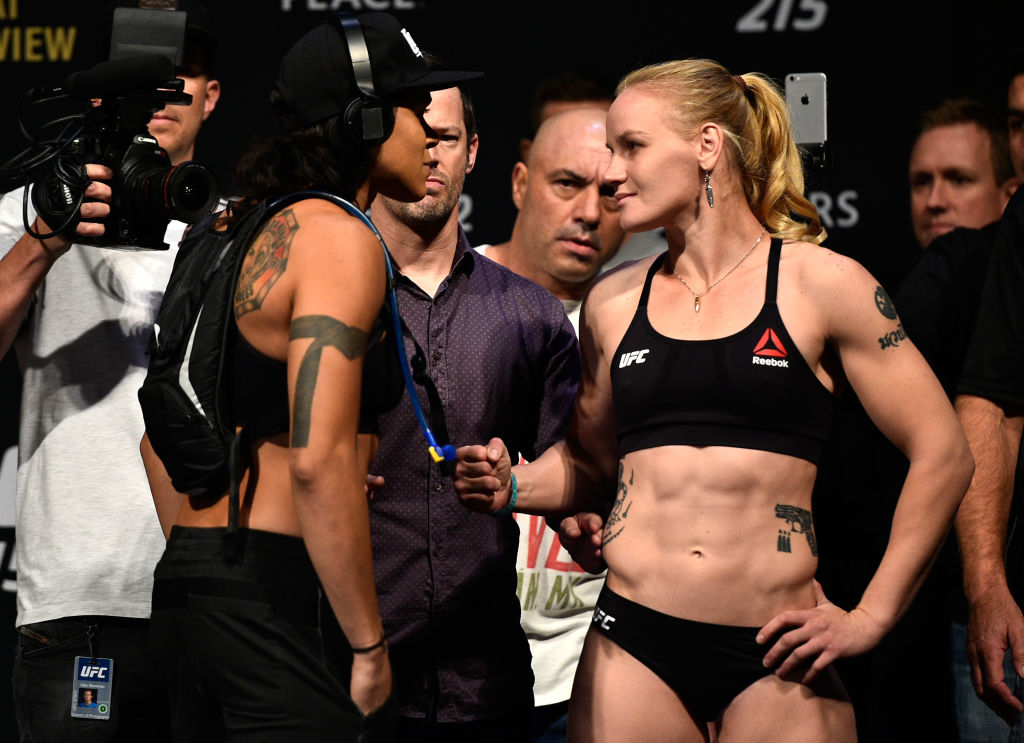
(267, 260)
(798, 521)
(620, 508)
(893, 338)
(325, 331)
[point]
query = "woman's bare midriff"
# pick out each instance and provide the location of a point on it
(713, 534)
(266, 505)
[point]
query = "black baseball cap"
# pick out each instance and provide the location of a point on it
(316, 81)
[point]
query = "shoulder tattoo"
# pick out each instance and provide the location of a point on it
(325, 331)
(884, 304)
(266, 262)
(893, 338)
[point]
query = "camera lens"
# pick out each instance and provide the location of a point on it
(188, 190)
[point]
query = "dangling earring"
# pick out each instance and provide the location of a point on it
(707, 188)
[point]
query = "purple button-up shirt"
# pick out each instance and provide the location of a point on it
(492, 354)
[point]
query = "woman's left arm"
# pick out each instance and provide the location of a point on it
(166, 499)
(905, 400)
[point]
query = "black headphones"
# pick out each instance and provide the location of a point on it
(368, 118)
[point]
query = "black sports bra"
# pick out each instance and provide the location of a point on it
(260, 383)
(752, 389)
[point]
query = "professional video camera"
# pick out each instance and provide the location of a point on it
(147, 190)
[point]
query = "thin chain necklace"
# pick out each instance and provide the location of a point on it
(696, 296)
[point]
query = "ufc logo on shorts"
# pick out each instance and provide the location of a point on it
(628, 358)
(94, 672)
(603, 620)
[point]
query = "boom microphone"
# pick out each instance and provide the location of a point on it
(119, 77)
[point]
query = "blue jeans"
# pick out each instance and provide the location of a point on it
(975, 721)
(44, 669)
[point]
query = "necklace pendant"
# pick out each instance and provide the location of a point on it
(696, 304)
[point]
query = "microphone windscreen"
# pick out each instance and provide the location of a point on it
(120, 77)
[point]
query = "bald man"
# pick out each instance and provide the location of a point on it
(561, 91)
(567, 227)
(568, 222)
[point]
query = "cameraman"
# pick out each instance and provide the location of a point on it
(87, 535)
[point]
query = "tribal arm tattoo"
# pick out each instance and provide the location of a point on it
(798, 521)
(266, 263)
(620, 508)
(885, 306)
(325, 331)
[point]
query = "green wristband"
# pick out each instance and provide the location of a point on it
(512, 501)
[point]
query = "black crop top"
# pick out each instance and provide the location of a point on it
(260, 383)
(752, 389)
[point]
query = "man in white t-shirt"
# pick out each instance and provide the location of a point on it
(88, 538)
(567, 227)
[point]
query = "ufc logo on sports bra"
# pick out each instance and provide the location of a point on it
(628, 358)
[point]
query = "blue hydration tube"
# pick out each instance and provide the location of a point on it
(438, 453)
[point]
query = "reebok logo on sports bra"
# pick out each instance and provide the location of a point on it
(630, 356)
(769, 351)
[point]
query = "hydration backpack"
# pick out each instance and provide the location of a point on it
(186, 403)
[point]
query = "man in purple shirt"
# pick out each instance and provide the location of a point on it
(492, 354)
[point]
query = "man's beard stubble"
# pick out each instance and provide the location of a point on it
(429, 210)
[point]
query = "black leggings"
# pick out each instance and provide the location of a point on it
(248, 645)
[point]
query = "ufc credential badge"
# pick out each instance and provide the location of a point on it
(90, 696)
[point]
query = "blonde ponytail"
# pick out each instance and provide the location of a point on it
(754, 115)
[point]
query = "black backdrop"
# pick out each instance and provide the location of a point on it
(885, 62)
